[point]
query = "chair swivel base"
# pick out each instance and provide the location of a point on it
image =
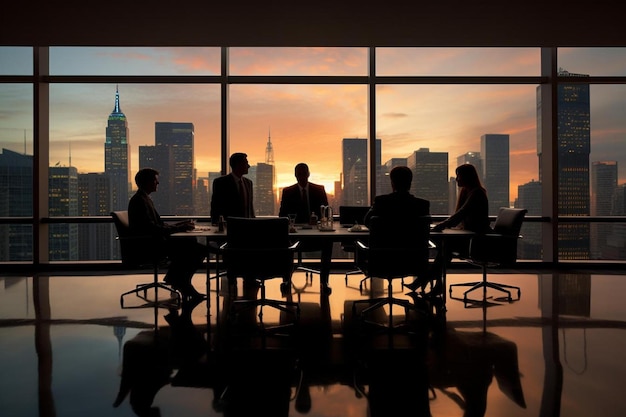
(506, 289)
(141, 291)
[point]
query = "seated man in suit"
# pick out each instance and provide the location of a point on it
(400, 204)
(232, 193)
(185, 253)
(303, 199)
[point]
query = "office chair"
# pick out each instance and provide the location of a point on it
(348, 217)
(141, 252)
(258, 249)
(396, 249)
(492, 250)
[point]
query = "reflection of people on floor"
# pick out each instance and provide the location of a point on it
(146, 369)
(468, 361)
(259, 383)
(391, 394)
(150, 359)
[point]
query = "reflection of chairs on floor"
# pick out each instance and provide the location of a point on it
(497, 249)
(140, 252)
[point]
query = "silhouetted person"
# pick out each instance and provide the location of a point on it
(185, 253)
(302, 198)
(471, 213)
(472, 206)
(232, 193)
(400, 204)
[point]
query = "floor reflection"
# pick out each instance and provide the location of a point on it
(537, 356)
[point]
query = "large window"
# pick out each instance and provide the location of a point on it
(106, 112)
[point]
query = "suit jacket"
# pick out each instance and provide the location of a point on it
(399, 205)
(143, 218)
(227, 201)
(291, 202)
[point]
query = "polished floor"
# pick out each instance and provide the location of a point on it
(67, 348)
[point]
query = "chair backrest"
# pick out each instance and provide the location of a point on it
(398, 248)
(351, 215)
(509, 221)
(258, 247)
(134, 250)
(499, 247)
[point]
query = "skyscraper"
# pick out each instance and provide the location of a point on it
(473, 158)
(574, 142)
(529, 197)
(430, 178)
(603, 187)
(95, 240)
(354, 170)
(16, 200)
(63, 201)
(494, 155)
(179, 137)
(117, 156)
(159, 158)
(264, 196)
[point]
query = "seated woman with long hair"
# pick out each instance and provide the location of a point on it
(471, 213)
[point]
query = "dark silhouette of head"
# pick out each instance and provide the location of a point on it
(401, 178)
(467, 176)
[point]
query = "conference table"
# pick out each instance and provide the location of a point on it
(325, 238)
(319, 238)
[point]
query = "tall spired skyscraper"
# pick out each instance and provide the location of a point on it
(117, 156)
(574, 143)
(264, 183)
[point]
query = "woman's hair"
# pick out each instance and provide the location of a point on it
(471, 181)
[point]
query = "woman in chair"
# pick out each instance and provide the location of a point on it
(471, 213)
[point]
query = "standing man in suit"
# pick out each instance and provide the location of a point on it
(232, 193)
(302, 198)
(185, 253)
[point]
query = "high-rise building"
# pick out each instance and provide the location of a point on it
(430, 178)
(529, 198)
(117, 156)
(616, 240)
(574, 143)
(95, 240)
(179, 138)
(354, 170)
(494, 155)
(473, 158)
(385, 186)
(603, 187)
(63, 201)
(16, 200)
(159, 158)
(264, 196)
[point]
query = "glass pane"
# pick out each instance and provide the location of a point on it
(458, 61)
(16, 60)
(608, 170)
(100, 135)
(298, 61)
(305, 123)
(134, 61)
(435, 128)
(16, 170)
(593, 61)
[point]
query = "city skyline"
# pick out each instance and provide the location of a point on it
(308, 122)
